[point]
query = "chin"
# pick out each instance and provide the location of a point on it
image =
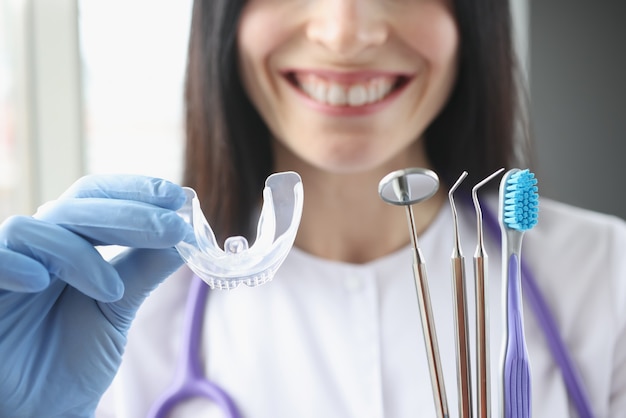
(347, 155)
(351, 164)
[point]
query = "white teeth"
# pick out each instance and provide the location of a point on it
(336, 95)
(372, 92)
(383, 87)
(357, 96)
(354, 95)
(318, 91)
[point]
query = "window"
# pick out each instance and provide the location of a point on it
(7, 138)
(133, 56)
(88, 86)
(12, 191)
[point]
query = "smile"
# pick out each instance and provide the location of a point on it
(346, 91)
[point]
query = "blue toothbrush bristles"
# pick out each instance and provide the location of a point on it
(521, 202)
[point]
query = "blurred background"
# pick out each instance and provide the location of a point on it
(95, 86)
(577, 88)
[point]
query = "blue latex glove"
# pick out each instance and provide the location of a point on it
(64, 310)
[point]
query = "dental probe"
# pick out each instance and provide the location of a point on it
(483, 390)
(463, 365)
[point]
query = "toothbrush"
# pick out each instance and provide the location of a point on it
(483, 390)
(517, 213)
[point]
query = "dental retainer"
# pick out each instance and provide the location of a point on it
(238, 262)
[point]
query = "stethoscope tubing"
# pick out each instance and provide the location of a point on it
(190, 382)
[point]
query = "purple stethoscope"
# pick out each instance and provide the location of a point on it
(190, 382)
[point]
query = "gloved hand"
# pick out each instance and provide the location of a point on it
(64, 310)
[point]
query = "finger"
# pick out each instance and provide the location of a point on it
(117, 222)
(19, 273)
(142, 270)
(64, 255)
(145, 189)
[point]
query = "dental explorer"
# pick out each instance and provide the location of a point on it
(405, 188)
(483, 390)
(463, 364)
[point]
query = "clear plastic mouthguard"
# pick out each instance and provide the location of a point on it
(238, 262)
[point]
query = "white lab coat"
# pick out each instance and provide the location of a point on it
(328, 339)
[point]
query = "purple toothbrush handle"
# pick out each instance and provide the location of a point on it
(517, 385)
(560, 352)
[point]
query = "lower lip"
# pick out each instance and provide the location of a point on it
(363, 110)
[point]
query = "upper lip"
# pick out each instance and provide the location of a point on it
(345, 77)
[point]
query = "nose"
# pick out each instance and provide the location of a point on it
(347, 27)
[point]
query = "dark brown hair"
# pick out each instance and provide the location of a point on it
(228, 153)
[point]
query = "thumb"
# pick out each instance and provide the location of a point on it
(141, 270)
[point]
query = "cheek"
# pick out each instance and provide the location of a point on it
(434, 34)
(250, 43)
(261, 30)
(252, 22)
(260, 34)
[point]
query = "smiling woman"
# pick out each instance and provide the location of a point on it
(395, 64)
(342, 92)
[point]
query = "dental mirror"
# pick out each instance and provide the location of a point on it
(405, 188)
(408, 186)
